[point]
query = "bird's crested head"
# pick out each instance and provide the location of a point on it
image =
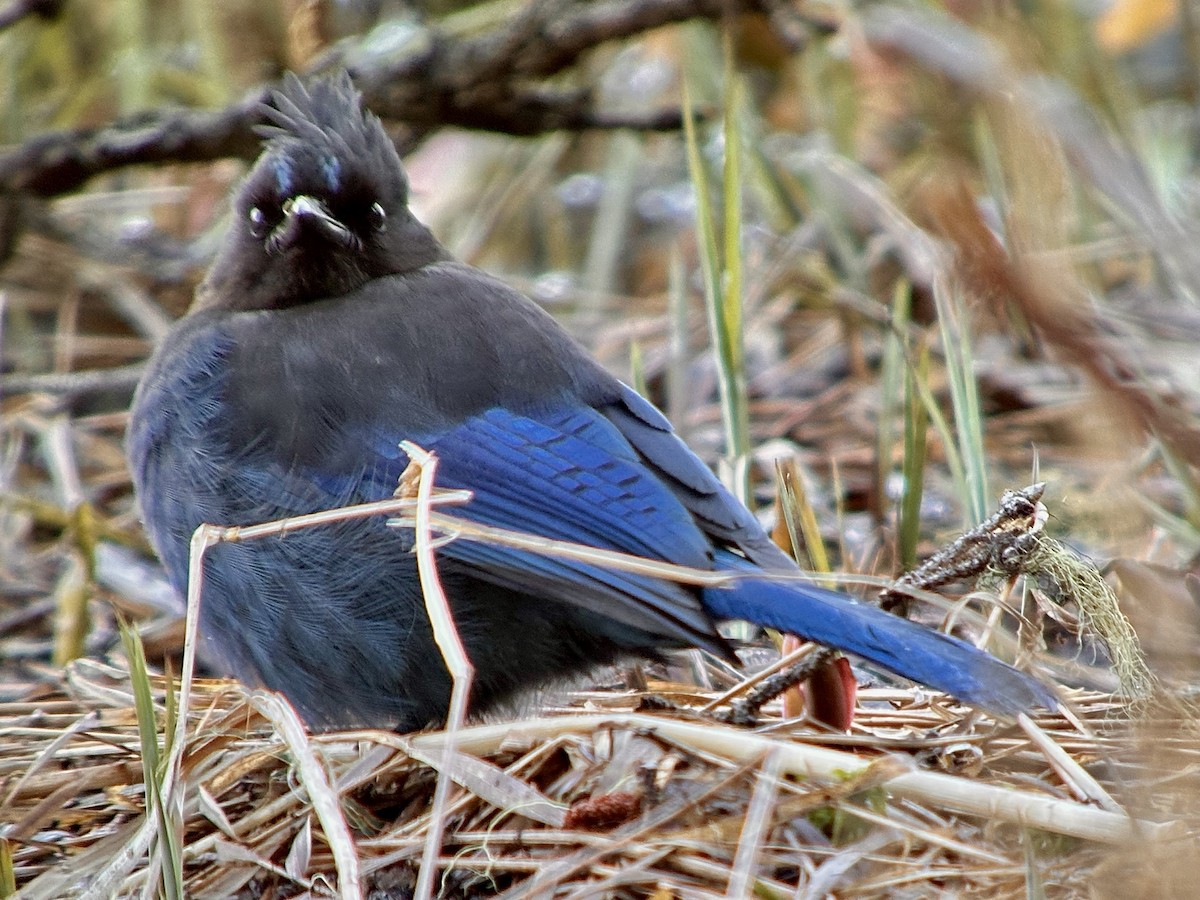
(323, 210)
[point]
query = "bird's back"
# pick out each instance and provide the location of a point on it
(248, 417)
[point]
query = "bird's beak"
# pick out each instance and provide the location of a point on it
(307, 214)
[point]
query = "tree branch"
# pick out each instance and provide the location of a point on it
(489, 81)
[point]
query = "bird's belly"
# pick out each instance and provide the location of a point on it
(333, 617)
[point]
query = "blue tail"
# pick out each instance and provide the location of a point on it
(903, 647)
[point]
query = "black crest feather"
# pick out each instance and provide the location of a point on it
(326, 113)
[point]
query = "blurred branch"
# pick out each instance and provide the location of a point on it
(60, 162)
(485, 81)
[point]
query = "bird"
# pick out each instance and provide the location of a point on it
(330, 327)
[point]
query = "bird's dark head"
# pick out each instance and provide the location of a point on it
(323, 211)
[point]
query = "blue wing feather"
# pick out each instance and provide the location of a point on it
(710, 504)
(568, 474)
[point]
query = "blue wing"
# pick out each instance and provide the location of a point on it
(712, 507)
(569, 474)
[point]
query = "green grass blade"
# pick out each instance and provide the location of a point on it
(892, 372)
(945, 433)
(8, 874)
(800, 518)
(916, 430)
(721, 265)
(731, 338)
(637, 369)
(964, 397)
(170, 852)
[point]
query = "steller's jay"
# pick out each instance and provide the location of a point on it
(331, 326)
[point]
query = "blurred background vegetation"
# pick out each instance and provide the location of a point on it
(942, 250)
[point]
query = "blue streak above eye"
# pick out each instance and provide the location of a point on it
(331, 167)
(283, 175)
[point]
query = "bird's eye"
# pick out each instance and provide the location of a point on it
(258, 222)
(378, 217)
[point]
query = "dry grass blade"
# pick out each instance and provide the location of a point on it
(757, 821)
(422, 469)
(321, 795)
(493, 785)
(1083, 785)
